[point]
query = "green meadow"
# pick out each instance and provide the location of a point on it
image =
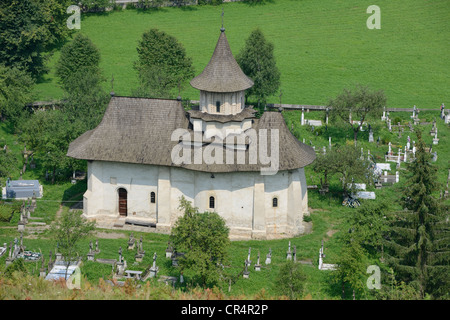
(321, 47)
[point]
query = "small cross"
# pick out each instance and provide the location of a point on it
(223, 29)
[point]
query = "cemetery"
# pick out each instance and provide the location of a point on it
(142, 256)
(130, 259)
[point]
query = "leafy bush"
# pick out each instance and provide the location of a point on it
(7, 210)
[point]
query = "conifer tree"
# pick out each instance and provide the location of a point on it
(257, 61)
(163, 65)
(418, 241)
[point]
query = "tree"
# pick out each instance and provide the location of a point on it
(48, 135)
(7, 163)
(257, 61)
(68, 230)
(290, 280)
(163, 65)
(15, 92)
(29, 29)
(357, 104)
(369, 224)
(95, 5)
(346, 162)
(78, 57)
(419, 237)
(351, 267)
(204, 239)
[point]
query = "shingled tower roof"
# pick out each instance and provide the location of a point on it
(222, 74)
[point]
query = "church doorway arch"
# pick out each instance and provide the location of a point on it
(123, 199)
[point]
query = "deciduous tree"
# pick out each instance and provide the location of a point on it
(353, 107)
(204, 239)
(15, 93)
(68, 230)
(29, 29)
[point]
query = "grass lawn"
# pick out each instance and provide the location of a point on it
(321, 47)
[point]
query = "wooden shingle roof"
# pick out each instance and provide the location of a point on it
(222, 74)
(139, 130)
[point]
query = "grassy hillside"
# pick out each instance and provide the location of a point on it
(320, 46)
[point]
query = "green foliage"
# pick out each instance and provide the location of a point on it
(204, 239)
(95, 5)
(369, 224)
(15, 92)
(78, 57)
(68, 230)
(290, 280)
(419, 237)
(392, 289)
(148, 4)
(48, 135)
(257, 61)
(351, 267)
(7, 163)
(18, 266)
(361, 102)
(344, 161)
(162, 65)
(29, 28)
(213, 2)
(7, 210)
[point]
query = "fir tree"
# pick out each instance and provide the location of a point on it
(418, 241)
(163, 65)
(257, 61)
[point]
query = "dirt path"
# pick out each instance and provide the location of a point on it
(58, 213)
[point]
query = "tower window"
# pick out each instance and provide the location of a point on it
(152, 197)
(212, 202)
(275, 202)
(218, 106)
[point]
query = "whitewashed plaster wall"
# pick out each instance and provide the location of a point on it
(243, 199)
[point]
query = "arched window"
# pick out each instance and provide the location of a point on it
(275, 202)
(212, 202)
(218, 106)
(152, 197)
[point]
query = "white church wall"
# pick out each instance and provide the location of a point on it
(243, 199)
(230, 103)
(276, 217)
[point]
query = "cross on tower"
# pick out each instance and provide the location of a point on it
(222, 29)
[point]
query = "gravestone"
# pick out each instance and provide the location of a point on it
(258, 265)
(97, 250)
(435, 139)
(169, 250)
(42, 271)
(370, 135)
(269, 257)
(154, 269)
(289, 253)
(131, 242)
(246, 273)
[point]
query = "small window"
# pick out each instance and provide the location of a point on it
(275, 202)
(218, 106)
(152, 197)
(212, 202)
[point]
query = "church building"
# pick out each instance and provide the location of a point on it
(147, 153)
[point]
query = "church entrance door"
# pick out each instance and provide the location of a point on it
(122, 202)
